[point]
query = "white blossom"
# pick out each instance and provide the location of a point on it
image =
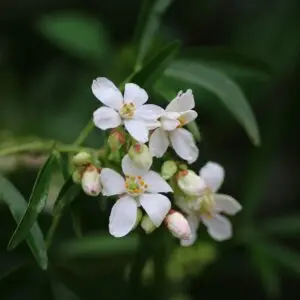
(140, 187)
(177, 114)
(208, 207)
(129, 109)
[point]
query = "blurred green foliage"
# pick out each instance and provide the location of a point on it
(230, 51)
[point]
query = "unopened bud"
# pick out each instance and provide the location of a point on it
(139, 216)
(190, 183)
(116, 140)
(90, 182)
(82, 158)
(147, 225)
(168, 169)
(141, 156)
(178, 225)
(77, 176)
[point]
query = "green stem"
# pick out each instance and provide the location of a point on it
(135, 277)
(160, 257)
(42, 146)
(55, 222)
(84, 133)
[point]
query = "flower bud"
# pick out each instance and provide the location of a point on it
(190, 183)
(178, 225)
(139, 216)
(77, 176)
(91, 181)
(141, 156)
(82, 158)
(116, 140)
(147, 225)
(168, 169)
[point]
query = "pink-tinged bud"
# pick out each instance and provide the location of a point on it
(90, 182)
(178, 225)
(116, 140)
(190, 183)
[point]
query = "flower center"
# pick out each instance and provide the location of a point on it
(127, 110)
(208, 204)
(135, 185)
(182, 122)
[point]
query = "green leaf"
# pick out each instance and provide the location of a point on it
(224, 87)
(36, 203)
(67, 194)
(282, 225)
(62, 163)
(152, 70)
(77, 34)
(148, 24)
(98, 245)
(267, 270)
(17, 205)
(283, 255)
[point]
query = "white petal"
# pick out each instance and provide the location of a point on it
(107, 92)
(218, 227)
(123, 216)
(138, 130)
(149, 112)
(169, 124)
(134, 93)
(151, 125)
(227, 204)
(194, 224)
(184, 144)
(159, 142)
(183, 205)
(113, 183)
(156, 206)
(188, 116)
(106, 117)
(213, 174)
(182, 102)
(129, 168)
(156, 184)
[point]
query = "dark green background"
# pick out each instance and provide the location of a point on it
(45, 92)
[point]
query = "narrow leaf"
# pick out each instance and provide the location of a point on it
(36, 203)
(62, 163)
(17, 205)
(223, 86)
(283, 255)
(149, 21)
(267, 270)
(282, 225)
(77, 34)
(152, 70)
(98, 245)
(66, 195)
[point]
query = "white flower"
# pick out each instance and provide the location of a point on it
(128, 110)
(208, 207)
(139, 188)
(178, 113)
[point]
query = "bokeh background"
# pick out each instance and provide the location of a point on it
(49, 53)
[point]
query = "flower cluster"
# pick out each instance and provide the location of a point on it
(142, 194)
